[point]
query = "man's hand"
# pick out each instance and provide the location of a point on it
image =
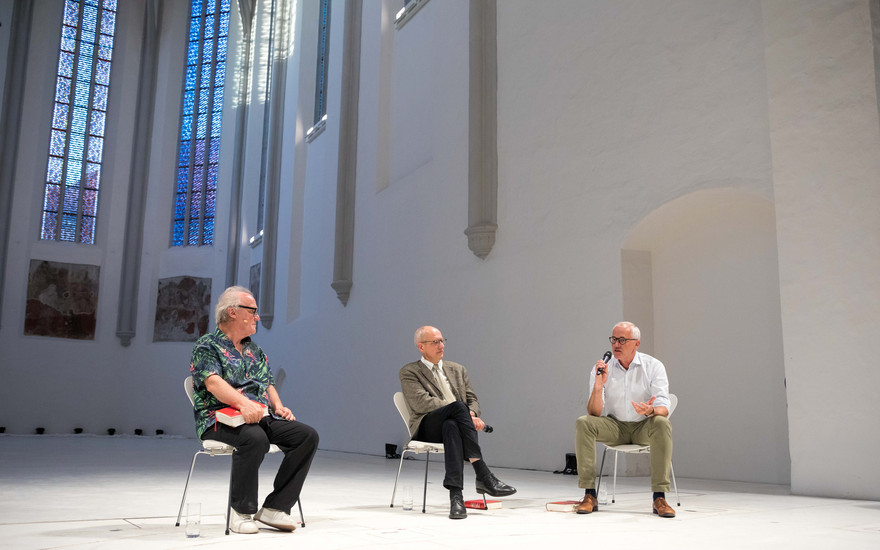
(602, 378)
(644, 409)
(251, 412)
(284, 413)
(478, 424)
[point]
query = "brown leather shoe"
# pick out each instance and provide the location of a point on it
(662, 508)
(587, 506)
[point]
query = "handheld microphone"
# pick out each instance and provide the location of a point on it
(488, 429)
(605, 359)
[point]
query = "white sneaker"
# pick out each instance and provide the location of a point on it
(276, 519)
(242, 523)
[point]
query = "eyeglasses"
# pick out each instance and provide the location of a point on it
(435, 342)
(249, 308)
(620, 340)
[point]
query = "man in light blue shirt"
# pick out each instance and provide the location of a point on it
(629, 403)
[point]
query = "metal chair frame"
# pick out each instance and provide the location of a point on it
(413, 446)
(636, 449)
(212, 447)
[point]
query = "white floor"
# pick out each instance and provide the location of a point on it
(124, 492)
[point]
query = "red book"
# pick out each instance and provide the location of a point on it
(478, 504)
(232, 417)
(562, 505)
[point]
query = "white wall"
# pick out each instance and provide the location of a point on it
(826, 164)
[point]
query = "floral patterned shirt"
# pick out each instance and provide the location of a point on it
(248, 372)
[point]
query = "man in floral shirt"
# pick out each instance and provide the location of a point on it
(230, 370)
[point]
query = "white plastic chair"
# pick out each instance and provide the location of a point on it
(413, 446)
(212, 447)
(636, 449)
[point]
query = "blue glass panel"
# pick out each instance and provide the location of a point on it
(86, 49)
(110, 5)
(202, 128)
(200, 152)
(53, 172)
(106, 41)
(88, 230)
(180, 206)
(195, 205)
(103, 72)
(50, 225)
(74, 170)
(68, 44)
(93, 175)
(208, 237)
(189, 101)
(90, 202)
(210, 204)
(97, 124)
(62, 90)
(105, 53)
(209, 26)
(205, 80)
(211, 182)
(193, 233)
(92, 2)
(56, 142)
(78, 123)
(196, 8)
(99, 101)
(65, 64)
(108, 22)
(182, 179)
(192, 53)
(220, 74)
(183, 153)
(191, 77)
(71, 199)
(177, 237)
(186, 127)
(81, 94)
(59, 117)
(207, 54)
(218, 98)
(89, 22)
(195, 26)
(224, 5)
(224, 24)
(71, 13)
(203, 100)
(68, 32)
(75, 151)
(214, 154)
(96, 146)
(221, 50)
(50, 201)
(198, 170)
(216, 120)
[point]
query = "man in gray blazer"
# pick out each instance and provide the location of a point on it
(445, 410)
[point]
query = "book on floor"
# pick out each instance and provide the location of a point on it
(562, 505)
(232, 417)
(477, 504)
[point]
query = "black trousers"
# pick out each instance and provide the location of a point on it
(452, 426)
(296, 440)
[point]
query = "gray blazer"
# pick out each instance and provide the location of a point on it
(423, 396)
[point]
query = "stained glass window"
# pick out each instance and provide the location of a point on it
(321, 77)
(76, 141)
(198, 153)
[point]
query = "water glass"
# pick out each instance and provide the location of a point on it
(407, 498)
(193, 519)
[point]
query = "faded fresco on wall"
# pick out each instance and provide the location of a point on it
(182, 309)
(62, 300)
(256, 271)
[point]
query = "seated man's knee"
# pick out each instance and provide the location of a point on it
(253, 439)
(661, 423)
(311, 438)
(586, 423)
(460, 407)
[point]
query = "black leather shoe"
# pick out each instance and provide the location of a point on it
(490, 485)
(456, 506)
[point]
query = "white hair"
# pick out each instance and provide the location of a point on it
(229, 298)
(634, 331)
(420, 333)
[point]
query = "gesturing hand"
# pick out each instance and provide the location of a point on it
(644, 409)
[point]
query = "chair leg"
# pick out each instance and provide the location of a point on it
(302, 518)
(485, 504)
(425, 490)
(674, 484)
(601, 469)
(229, 500)
(186, 487)
(400, 467)
(614, 486)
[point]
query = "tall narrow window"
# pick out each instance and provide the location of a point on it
(76, 143)
(200, 118)
(321, 77)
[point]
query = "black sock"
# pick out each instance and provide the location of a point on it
(481, 469)
(659, 494)
(590, 492)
